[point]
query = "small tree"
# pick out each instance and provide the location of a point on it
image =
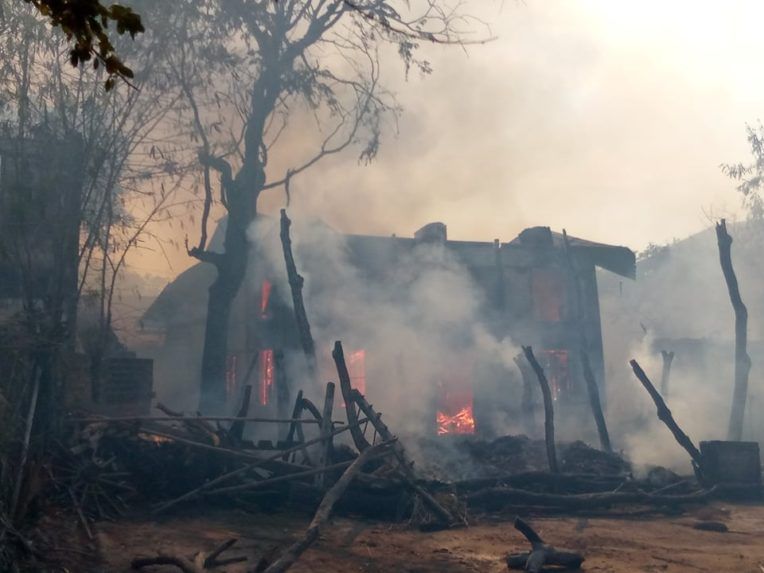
(750, 176)
(259, 76)
(73, 158)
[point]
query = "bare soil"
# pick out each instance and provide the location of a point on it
(623, 544)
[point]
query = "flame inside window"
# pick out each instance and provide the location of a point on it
(557, 370)
(266, 364)
(455, 401)
(357, 370)
(463, 422)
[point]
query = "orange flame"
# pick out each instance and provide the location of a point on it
(462, 422)
(153, 438)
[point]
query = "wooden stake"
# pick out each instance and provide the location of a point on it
(551, 452)
(326, 434)
(236, 432)
(292, 554)
(242, 470)
(591, 382)
(664, 415)
(296, 411)
(742, 360)
(360, 441)
(407, 473)
(594, 401)
(296, 283)
(526, 401)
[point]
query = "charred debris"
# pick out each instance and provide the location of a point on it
(341, 457)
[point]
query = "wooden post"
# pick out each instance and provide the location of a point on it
(668, 358)
(325, 454)
(295, 285)
(407, 473)
(283, 395)
(236, 432)
(664, 415)
(527, 406)
(591, 382)
(594, 400)
(324, 510)
(360, 441)
(551, 453)
(296, 411)
(742, 360)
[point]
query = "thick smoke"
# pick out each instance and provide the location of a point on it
(419, 321)
(680, 303)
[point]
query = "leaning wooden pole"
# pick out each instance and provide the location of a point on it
(551, 452)
(325, 455)
(594, 401)
(324, 511)
(742, 360)
(592, 388)
(296, 283)
(360, 441)
(665, 416)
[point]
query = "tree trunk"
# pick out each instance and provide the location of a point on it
(231, 269)
(213, 397)
(742, 360)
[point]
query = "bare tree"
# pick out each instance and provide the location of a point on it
(261, 77)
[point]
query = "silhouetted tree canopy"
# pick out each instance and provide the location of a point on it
(86, 25)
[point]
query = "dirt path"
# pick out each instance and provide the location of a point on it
(616, 545)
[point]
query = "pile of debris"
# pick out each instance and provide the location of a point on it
(456, 458)
(171, 461)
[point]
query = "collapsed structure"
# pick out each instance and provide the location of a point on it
(538, 289)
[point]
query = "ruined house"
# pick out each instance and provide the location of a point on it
(531, 290)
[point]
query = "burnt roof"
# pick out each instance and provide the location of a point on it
(184, 299)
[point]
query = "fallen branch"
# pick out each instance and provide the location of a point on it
(200, 563)
(293, 553)
(541, 554)
(242, 471)
(506, 497)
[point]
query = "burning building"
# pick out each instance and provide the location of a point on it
(532, 290)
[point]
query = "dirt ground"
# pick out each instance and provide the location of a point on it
(654, 544)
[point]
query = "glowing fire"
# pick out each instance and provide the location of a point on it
(460, 423)
(455, 398)
(153, 438)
